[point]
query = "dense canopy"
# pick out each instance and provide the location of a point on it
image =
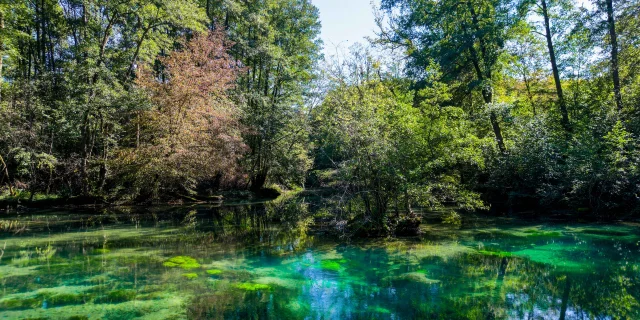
(501, 105)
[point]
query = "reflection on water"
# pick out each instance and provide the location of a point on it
(261, 262)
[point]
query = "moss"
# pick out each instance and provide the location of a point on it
(101, 251)
(183, 262)
(214, 271)
(249, 286)
(190, 275)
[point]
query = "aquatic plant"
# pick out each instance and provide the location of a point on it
(249, 286)
(118, 296)
(214, 271)
(183, 262)
(332, 265)
(190, 275)
(539, 233)
(497, 253)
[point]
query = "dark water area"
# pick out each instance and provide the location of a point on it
(261, 261)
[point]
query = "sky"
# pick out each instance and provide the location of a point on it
(345, 22)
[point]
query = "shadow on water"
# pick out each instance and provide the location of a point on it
(261, 261)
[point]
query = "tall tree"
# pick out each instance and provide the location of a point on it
(613, 38)
(466, 39)
(278, 42)
(192, 133)
(544, 10)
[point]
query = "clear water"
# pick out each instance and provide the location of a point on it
(235, 263)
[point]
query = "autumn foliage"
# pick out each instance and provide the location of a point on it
(191, 135)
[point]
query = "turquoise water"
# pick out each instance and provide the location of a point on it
(255, 262)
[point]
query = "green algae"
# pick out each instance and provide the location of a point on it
(214, 272)
(379, 309)
(101, 251)
(183, 262)
(332, 265)
(250, 286)
(190, 275)
(498, 253)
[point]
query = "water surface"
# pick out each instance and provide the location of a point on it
(263, 262)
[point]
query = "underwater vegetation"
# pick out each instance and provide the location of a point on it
(332, 265)
(455, 272)
(183, 262)
(248, 286)
(214, 272)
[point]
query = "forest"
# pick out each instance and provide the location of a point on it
(500, 106)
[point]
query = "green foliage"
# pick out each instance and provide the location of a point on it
(387, 152)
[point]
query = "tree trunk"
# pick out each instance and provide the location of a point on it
(258, 180)
(1, 48)
(487, 94)
(554, 67)
(137, 52)
(6, 173)
(614, 55)
(487, 90)
(529, 94)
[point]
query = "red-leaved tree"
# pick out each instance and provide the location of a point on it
(192, 133)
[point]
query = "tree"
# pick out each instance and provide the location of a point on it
(277, 41)
(554, 64)
(384, 153)
(466, 39)
(613, 38)
(192, 132)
